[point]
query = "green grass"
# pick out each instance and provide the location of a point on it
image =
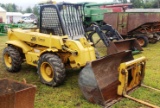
(68, 95)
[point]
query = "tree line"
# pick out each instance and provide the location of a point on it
(142, 3)
(12, 7)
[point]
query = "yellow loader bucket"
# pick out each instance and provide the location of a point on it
(123, 45)
(106, 80)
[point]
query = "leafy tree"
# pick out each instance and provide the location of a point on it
(9, 7)
(123, 1)
(36, 10)
(29, 10)
(15, 7)
(137, 3)
(148, 5)
(3, 6)
(156, 4)
(145, 3)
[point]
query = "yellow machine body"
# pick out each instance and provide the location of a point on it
(34, 44)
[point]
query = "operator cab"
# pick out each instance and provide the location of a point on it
(62, 19)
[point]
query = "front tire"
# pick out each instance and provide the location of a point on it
(51, 69)
(12, 59)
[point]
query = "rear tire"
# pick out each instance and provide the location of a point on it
(142, 40)
(51, 69)
(12, 59)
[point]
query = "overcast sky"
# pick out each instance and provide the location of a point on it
(26, 3)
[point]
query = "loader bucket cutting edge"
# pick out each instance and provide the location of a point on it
(123, 45)
(105, 81)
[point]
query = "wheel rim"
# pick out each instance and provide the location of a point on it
(141, 42)
(8, 60)
(47, 71)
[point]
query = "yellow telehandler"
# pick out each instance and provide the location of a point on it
(60, 43)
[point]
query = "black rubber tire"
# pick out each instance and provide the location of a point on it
(59, 71)
(144, 39)
(15, 57)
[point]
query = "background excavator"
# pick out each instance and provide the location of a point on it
(60, 42)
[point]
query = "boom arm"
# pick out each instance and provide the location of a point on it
(111, 32)
(96, 29)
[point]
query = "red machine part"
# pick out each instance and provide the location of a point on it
(118, 7)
